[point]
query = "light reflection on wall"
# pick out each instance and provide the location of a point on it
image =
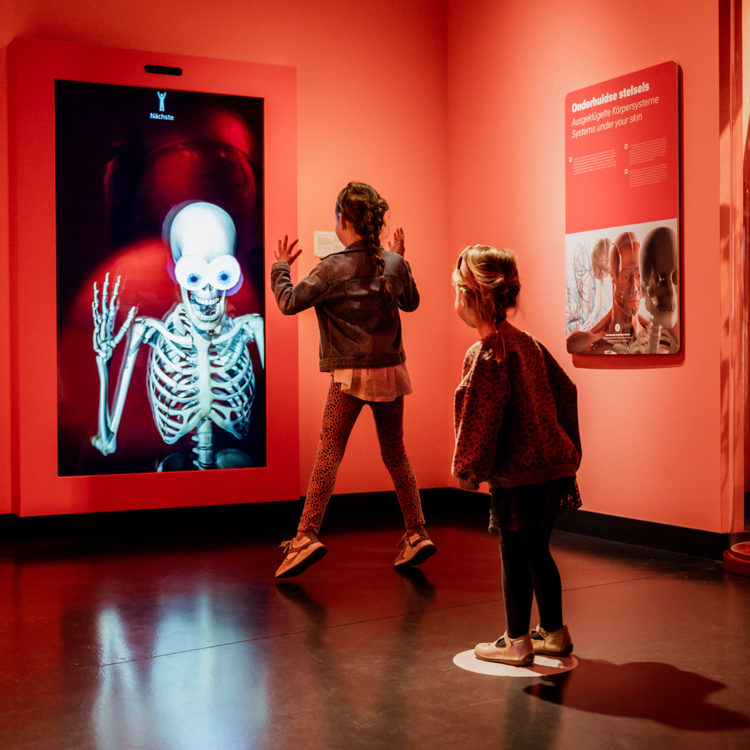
(144, 698)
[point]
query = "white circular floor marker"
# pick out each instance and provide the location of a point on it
(543, 666)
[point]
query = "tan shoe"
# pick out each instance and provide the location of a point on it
(518, 652)
(556, 643)
(300, 555)
(414, 549)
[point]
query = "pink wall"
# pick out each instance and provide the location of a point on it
(650, 437)
(478, 159)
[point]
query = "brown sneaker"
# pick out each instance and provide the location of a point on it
(518, 652)
(300, 555)
(556, 643)
(414, 549)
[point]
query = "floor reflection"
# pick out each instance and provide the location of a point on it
(170, 701)
(367, 688)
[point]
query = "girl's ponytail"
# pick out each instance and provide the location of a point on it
(364, 209)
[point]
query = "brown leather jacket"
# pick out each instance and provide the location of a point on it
(359, 326)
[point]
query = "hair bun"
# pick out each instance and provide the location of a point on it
(491, 275)
(364, 208)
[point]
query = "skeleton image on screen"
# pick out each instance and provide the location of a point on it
(200, 372)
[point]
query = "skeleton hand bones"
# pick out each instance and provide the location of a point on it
(105, 341)
(104, 320)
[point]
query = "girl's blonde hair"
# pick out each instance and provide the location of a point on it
(489, 278)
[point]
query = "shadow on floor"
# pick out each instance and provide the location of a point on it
(641, 690)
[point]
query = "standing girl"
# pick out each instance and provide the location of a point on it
(516, 424)
(357, 294)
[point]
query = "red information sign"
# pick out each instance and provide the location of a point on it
(622, 214)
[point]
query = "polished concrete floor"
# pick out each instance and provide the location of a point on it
(151, 636)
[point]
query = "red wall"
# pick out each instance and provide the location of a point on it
(454, 111)
(651, 438)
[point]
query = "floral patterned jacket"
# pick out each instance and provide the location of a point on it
(516, 420)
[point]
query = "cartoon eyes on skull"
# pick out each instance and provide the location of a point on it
(194, 273)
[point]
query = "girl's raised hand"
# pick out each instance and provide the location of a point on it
(286, 252)
(396, 245)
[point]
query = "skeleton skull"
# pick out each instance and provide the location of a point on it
(201, 237)
(660, 274)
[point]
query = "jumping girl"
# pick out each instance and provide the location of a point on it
(357, 294)
(516, 424)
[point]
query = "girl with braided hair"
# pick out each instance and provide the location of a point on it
(357, 294)
(516, 426)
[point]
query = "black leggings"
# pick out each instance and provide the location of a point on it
(529, 570)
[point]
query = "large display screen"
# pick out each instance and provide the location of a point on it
(151, 369)
(160, 294)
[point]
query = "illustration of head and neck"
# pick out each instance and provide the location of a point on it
(626, 283)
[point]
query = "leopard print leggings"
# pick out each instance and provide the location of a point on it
(339, 415)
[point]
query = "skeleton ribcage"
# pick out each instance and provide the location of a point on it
(192, 378)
